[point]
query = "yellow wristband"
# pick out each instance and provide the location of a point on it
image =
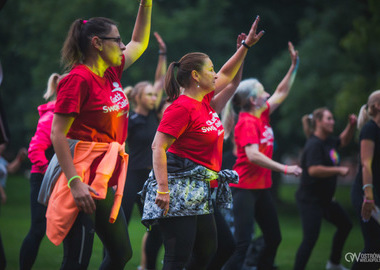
(163, 192)
(72, 178)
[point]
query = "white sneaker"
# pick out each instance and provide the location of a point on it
(332, 266)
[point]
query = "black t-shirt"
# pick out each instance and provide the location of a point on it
(371, 131)
(141, 132)
(318, 152)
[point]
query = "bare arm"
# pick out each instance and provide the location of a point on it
(255, 156)
(321, 171)
(140, 36)
(160, 144)
(367, 149)
(219, 100)
(3, 195)
(160, 70)
(349, 131)
(283, 89)
(231, 67)
(15, 164)
(80, 191)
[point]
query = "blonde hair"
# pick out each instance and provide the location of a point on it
(367, 111)
(309, 120)
(240, 101)
(52, 84)
(137, 91)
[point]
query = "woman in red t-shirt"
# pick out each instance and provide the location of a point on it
(191, 132)
(254, 141)
(92, 108)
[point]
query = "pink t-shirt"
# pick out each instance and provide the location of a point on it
(253, 130)
(198, 130)
(98, 104)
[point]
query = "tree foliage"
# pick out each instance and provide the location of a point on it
(338, 43)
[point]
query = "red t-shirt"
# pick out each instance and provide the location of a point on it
(98, 104)
(253, 130)
(198, 130)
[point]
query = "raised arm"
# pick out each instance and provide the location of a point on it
(15, 164)
(349, 131)
(231, 67)
(283, 89)
(220, 99)
(159, 79)
(140, 36)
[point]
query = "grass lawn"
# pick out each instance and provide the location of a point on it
(15, 220)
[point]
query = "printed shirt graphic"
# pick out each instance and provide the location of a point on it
(334, 156)
(98, 104)
(198, 130)
(318, 152)
(252, 130)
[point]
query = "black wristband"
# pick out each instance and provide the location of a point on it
(161, 53)
(245, 44)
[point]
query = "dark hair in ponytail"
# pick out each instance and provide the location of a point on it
(182, 78)
(78, 39)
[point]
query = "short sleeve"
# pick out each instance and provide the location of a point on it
(250, 132)
(368, 132)
(72, 91)
(175, 120)
(314, 155)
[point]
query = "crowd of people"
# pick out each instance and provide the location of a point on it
(99, 149)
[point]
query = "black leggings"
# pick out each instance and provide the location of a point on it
(370, 231)
(225, 240)
(249, 206)
(32, 241)
(134, 183)
(189, 241)
(77, 245)
(311, 217)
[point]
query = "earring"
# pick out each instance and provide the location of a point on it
(197, 84)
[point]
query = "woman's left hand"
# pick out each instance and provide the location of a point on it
(367, 208)
(253, 37)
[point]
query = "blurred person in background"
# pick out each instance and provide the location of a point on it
(365, 192)
(320, 164)
(40, 152)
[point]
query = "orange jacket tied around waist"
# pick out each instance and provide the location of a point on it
(62, 209)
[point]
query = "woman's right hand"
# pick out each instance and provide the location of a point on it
(82, 196)
(162, 201)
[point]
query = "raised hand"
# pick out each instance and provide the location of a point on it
(240, 38)
(253, 37)
(293, 54)
(352, 119)
(161, 43)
